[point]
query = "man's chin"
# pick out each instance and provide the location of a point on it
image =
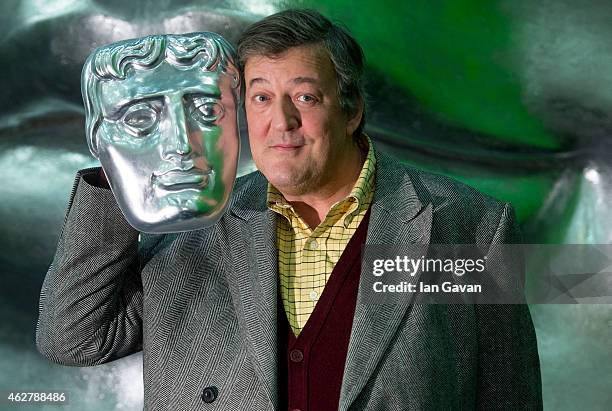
(292, 187)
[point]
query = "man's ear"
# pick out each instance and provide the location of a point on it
(355, 120)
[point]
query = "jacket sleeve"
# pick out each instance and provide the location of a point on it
(508, 374)
(91, 300)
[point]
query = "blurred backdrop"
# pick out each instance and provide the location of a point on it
(513, 97)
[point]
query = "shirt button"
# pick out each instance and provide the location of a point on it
(313, 295)
(314, 245)
(209, 394)
(296, 355)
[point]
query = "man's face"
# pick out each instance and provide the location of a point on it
(298, 133)
(169, 145)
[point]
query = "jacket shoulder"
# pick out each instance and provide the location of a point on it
(446, 191)
(439, 189)
(462, 214)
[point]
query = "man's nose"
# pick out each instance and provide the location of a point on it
(285, 116)
(177, 142)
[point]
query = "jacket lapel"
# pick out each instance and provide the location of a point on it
(398, 217)
(253, 279)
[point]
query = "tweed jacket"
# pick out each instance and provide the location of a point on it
(202, 305)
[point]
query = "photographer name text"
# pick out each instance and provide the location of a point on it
(421, 287)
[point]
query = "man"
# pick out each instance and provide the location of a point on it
(264, 310)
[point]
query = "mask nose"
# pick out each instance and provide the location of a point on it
(176, 142)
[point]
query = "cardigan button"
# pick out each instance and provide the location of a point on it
(209, 394)
(296, 356)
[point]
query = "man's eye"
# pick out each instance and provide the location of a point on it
(306, 98)
(207, 110)
(140, 119)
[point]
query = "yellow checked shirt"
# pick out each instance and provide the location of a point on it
(306, 258)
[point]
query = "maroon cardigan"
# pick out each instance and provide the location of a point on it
(313, 365)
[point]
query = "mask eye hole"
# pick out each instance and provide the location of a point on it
(140, 119)
(206, 110)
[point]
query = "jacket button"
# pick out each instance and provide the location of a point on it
(209, 394)
(296, 355)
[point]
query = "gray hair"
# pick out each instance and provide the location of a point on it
(114, 62)
(279, 32)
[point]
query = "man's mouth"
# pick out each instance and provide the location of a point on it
(286, 147)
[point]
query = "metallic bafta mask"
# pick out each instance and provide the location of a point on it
(161, 115)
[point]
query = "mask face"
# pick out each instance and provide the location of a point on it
(168, 142)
